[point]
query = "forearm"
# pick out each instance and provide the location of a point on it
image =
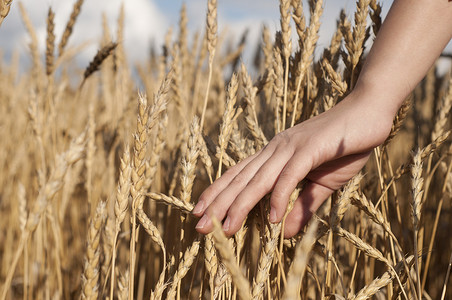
(411, 38)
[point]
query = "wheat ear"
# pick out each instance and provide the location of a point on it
(426, 151)
(308, 50)
(205, 158)
(189, 162)
(375, 215)
(211, 33)
(210, 259)
(172, 201)
(138, 169)
(221, 279)
(50, 43)
(277, 74)
(359, 36)
(265, 261)
(251, 116)
(69, 26)
(226, 251)
(417, 182)
(398, 120)
(123, 285)
(375, 16)
(298, 267)
(184, 265)
(153, 232)
(341, 206)
(34, 45)
(380, 282)
(443, 113)
(90, 278)
(100, 56)
(159, 144)
(299, 19)
(359, 244)
(284, 6)
(227, 121)
(121, 203)
(5, 6)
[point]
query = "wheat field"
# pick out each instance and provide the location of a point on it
(98, 177)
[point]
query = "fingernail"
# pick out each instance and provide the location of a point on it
(273, 217)
(226, 224)
(202, 222)
(198, 208)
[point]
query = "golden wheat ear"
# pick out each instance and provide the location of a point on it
(5, 6)
(69, 26)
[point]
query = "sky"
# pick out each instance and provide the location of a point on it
(147, 21)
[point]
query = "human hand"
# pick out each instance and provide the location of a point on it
(327, 150)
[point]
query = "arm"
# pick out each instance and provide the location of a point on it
(331, 148)
(412, 37)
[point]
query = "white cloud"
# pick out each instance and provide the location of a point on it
(148, 20)
(144, 22)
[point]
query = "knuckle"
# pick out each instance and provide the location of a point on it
(257, 181)
(239, 209)
(239, 180)
(214, 212)
(286, 175)
(230, 172)
(291, 173)
(208, 196)
(205, 196)
(282, 138)
(279, 198)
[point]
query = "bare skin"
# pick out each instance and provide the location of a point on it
(331, 148)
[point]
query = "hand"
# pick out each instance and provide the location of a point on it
(327, 150)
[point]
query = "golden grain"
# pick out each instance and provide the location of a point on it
(65, 149)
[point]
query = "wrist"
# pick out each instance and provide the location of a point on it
(369, 116)
(384, 98)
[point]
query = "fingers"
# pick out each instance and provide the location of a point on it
(258, 186)
(220, 184)
(218, 198)
(310, 199)
(296, 169)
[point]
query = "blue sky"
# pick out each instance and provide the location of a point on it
(148, 20)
